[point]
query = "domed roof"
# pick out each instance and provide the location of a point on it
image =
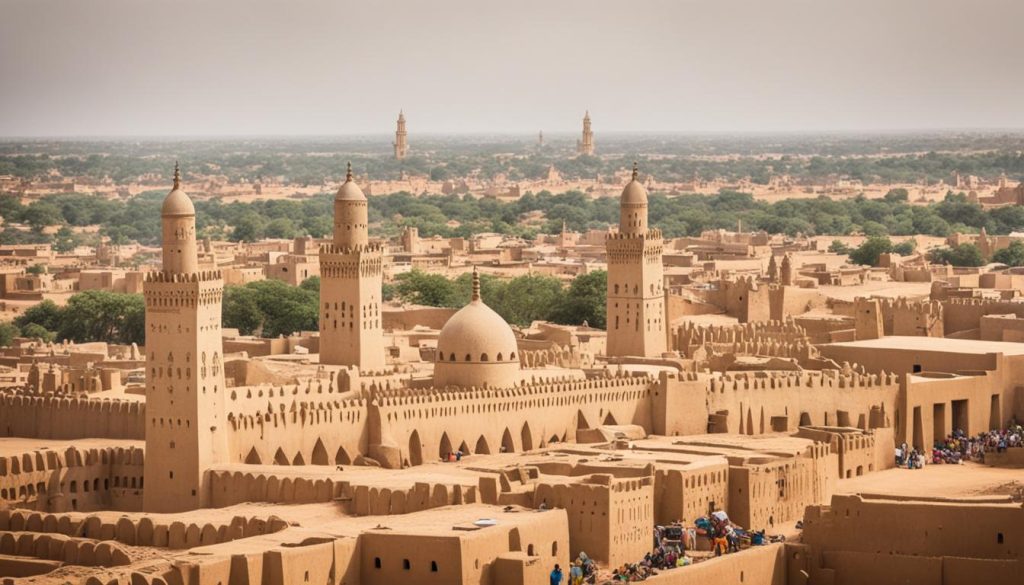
(177, 201)
(477, 330)
(634, 191)
(349, 191)
(476, 347)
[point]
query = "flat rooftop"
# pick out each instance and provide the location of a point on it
(945, 481)
(876, 288)
(757, 448)
(940, 344)
(445, 521)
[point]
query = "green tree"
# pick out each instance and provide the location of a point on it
(41, 214)
(45, 314)
(281, 227)
(241, 310)
(33, 331)
(248, 228)
(8, 331)
(962, 255)
(869, 251)
(420, 288)
(64, 240)
(585, 301)
(905, 248)
(96, 315)
(900, 195)
(318, 226)
(36, 269)
(874, 229)
(311, 284)
(1012, 255)
(838, 247)
(525, 299)
(271, 308)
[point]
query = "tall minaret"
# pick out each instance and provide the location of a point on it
(351, 273)
(401, 143)
(636, 293)
(586, 146)
(186, 428)
(984, 245)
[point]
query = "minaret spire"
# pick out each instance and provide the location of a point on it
(177, 175)
(401, 143)
(351, 273)
(476, 286)
(585, 146)
(636, 314)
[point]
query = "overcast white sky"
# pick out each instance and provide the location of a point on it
(259, 67)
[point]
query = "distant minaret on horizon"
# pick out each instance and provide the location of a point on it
(586, 145)
(540, 138)
(401, 143)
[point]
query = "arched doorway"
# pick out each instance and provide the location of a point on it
(341, 457)
(481, 446)
(507, 446)
(253, 458)
(526, 437)
(445, 447)
(319, 454)
(581, 421)
(415, 449)
(280, 458)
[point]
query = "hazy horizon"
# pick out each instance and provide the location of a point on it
(120, 69)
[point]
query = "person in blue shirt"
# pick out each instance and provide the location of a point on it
(556, 576)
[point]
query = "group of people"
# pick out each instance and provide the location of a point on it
(670, 545)
(666, 557)
(909, 458)
(959, 447)
(583, 570)
(725, 536)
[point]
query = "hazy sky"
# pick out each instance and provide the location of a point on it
(234, 67)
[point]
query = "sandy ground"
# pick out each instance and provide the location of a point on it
(969, 479)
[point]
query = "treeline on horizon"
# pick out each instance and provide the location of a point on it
(270, 308)
(138, 219)
(248, 162)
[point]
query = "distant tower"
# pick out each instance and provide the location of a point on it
(401, 143)
(586, 145)
(411, 240)
(563, 236)
(786, 272)
(773, 270)
(984, 246)
(186, 428)
(636, 295)
(351, 272)
(540, 139)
